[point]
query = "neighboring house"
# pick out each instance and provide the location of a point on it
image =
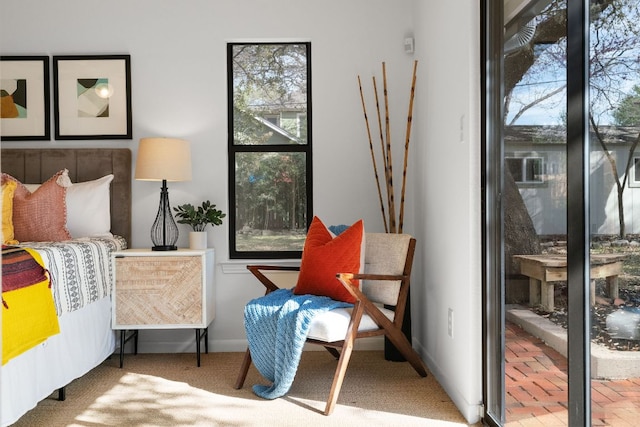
(278, 128)
(277, 134)
(536, 158)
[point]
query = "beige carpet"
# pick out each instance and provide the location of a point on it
(169, 390)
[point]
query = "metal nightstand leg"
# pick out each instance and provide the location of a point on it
(205, 335)
(123, 340)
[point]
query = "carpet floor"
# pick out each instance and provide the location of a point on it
(169, 390)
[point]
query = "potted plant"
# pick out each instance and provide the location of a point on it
(198, 217)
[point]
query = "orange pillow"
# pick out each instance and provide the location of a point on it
(323, 256)
(40, 216)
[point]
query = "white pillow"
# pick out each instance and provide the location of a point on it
(89, 208)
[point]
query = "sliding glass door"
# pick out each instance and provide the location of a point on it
(614, 212)
(562, 122)
(526, 204)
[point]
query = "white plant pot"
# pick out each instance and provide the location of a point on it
(197, 240)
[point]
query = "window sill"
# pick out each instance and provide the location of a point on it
(240, 267)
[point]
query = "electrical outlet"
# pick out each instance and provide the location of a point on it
(450, 323)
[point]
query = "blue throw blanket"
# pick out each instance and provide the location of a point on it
(277, 326)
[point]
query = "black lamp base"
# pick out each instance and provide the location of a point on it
(164, 248)
(164, 231)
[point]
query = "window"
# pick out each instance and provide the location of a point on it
(526, 170)
(269, 92)
(634, 175)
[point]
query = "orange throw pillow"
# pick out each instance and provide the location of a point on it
(323, 256)
(40, 216)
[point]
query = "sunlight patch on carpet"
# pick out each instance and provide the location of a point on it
(137, 396)
(370, 417)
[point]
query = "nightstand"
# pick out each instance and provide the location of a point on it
(163, 290)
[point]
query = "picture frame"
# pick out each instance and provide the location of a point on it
(25, 98)
(92, 97)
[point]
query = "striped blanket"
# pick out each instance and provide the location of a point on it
(81, 269)
(28, 312)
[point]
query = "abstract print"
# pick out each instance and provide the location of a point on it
(93, 97)
(13, 98)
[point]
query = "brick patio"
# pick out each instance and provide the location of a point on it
(537, 390)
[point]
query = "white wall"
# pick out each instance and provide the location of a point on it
(178, 63)
(448, 192)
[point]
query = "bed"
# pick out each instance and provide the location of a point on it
(85, 339)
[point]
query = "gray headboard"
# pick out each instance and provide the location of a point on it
(35, 165)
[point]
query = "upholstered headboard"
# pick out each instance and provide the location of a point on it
(35, 165)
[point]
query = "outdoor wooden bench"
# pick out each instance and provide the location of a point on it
(544, 270)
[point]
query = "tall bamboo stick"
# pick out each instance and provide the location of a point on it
(382, 150)
(406, 145)
(373, 157)
(392, 208)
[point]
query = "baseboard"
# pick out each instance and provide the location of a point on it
(225, 346)
(470, 411)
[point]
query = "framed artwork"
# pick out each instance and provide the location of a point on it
(92, 96)
(24, 98)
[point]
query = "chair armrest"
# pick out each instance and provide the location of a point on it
(361, 298)
(256, 270)
(347, 278)
(373, 311)
(273, 267)
(365, 276)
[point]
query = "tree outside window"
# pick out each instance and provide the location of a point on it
(269, 148)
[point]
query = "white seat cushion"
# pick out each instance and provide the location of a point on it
(332, 325)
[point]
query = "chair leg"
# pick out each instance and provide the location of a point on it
(338, 377)
(335, 353)
(404, 347)
(242, 375)
(345, 355)
(397, 338)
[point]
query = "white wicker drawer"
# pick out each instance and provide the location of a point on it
(163, 289)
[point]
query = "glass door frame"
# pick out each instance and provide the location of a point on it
(579, 372)
(578, 308)
(492, 108)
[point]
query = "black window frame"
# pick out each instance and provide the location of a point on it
(233, 149)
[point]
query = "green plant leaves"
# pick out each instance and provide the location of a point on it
(198, 217)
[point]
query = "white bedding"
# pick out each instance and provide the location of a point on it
(85, 339)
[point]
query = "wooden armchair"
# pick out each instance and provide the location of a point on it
(379, 307)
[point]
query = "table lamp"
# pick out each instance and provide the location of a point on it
(163, 159)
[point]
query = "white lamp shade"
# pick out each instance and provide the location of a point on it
(163, 158)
